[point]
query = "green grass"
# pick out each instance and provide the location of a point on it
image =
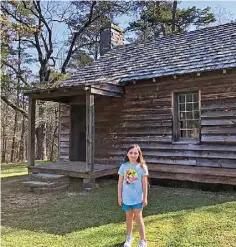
(175, 217)
(10, 170)
(16, 169)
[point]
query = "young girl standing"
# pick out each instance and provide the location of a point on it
(132, 192)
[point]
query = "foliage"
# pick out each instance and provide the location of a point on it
(157, 19)
(80, 59)
(87, 45)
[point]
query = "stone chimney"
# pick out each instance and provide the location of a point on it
(110, 36)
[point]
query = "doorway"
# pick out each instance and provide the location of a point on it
(78, 133)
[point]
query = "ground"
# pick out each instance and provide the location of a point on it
(175, 217)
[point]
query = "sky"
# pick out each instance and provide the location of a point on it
(227, 7)
(218, 7)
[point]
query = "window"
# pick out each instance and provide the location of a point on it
(186, 117)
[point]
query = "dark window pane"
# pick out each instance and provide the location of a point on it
(189, 115)
(183, 124)
(183, 133)
(192, 124)
(195, 97)
(196, 106)
(196, 115)
(182, 115)
(189, 107)
(182, 107)
(181, 98)
(189, 98)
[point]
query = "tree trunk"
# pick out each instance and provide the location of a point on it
(4, 149)
(4, 145)
(3, 133)
(13, 145)
(22, 142)
(52, 144)
(41, 136)
(174, 16)
(40, 144)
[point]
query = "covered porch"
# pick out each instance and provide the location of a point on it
(81, 133)
(74, 169)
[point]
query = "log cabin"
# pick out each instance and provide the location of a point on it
(175, 96)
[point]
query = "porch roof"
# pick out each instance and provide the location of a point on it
(64, 94)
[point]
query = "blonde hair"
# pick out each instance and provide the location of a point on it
(140, 157)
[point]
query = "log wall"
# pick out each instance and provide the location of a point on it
(144, 116)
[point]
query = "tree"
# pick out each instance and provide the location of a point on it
(87, 45)
(40, 18)
(160, 18)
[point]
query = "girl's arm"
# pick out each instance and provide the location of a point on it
(145, 190)
(120, 185)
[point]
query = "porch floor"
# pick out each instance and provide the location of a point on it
(173, 172)
(74, 169)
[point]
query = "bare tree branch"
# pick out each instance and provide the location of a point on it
(48, 29)
(14, 16)
(17, 72)
(30, 41)
(76, 35)
(45, 43)
(17, 108)
(86, 44)
(14, 106)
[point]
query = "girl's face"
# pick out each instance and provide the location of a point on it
(133, 154)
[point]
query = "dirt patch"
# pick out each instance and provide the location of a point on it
(16, 197)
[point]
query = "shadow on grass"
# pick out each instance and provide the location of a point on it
(116, 245)
(76, 211)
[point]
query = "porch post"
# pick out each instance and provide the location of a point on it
(89, 130)
(31, 131)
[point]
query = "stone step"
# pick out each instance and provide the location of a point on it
(38, 184)
(47, 177)
(42, 182)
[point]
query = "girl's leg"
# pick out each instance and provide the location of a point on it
(139, 220)
(129, 221)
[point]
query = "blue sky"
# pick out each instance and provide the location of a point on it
(227, 9)
(230, 5)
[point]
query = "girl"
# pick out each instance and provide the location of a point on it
(132, 192)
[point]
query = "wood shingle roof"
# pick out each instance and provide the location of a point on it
(196, 51)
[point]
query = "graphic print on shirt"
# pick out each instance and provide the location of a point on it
(130, 176)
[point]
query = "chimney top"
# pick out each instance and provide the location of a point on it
(111, 35)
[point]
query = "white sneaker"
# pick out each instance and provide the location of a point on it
(142, 243)
(129, 240)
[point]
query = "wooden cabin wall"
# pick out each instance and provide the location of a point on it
(64, 132)
(144, 116)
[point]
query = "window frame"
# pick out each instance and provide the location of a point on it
(175, 119)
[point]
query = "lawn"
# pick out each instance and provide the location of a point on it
(175, 217)
(18, 169)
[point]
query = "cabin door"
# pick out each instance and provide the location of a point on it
(78, 133)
